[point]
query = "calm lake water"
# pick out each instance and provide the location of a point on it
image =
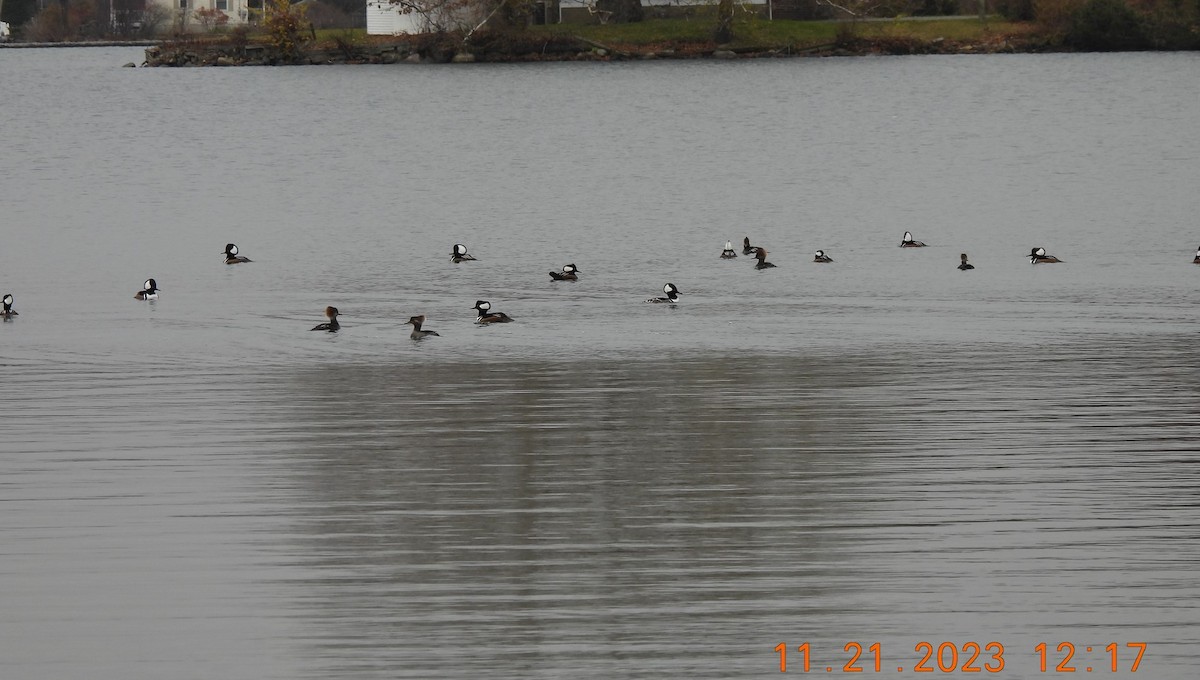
(883, 449)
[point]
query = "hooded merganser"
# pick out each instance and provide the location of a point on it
(569, 273)
(729, 253)
(761, 254)
(965, 265)
(232, 257)
(1197, 258)
(417, 333)
(1039, 256)
(9, 312)
(482, 306)
(747, 249)
(908, 242)
(149, 291)
(332, 325)
(672, 294)
(820, 256)
(459, 254)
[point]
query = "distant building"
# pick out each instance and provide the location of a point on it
(193, 15)
(384, 18)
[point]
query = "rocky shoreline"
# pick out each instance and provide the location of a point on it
(422, 50)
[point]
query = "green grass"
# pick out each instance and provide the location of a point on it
(752, 31)
(695, 34)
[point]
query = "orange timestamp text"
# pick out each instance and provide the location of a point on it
(967, 657)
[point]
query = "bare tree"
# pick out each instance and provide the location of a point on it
(441, 16)
(724, 31)
(855, 10)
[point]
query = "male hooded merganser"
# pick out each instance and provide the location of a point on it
(747, 249)
(149, 291)
(569, 273)
(1039, 256)
(820, 256)
(965, 265)
(761, 254)
(1197, 258)
(459, 254)
(9, 312)
(908, 242)
(232, 257)
(729, 253)
(417, 333)
(482, 306)
(672, 294)
(332, 325)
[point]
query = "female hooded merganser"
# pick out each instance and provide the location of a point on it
(149, 291)
(459, 254)
(965, 265)
(417, 333)
(1197, 258)
(232, 257)
(672, 294)
(908, 242)
(761, 254)
(747, 249)
(569, 273)
(1039, 256)
(729, 253)
(482, 306)
(332, 326)
(9, 312)
(820, 256)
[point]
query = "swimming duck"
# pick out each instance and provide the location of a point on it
(332, 325)
(417, 333)
(1196, 260)
(672, 295)
(149, 291)
(232, 257)
(965, 265)
(729, 253)
(908, 242)
(569, 273)
(747, 249)
(459, 254)
(486, 316)
(761, 254)
(820, 256)
(9, 312)
(1039, 256)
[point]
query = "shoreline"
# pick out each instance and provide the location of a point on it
(421, 50)
(80, 43)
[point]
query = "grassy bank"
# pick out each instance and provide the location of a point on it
(760, 33)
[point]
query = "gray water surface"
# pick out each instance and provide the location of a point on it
(883, 449)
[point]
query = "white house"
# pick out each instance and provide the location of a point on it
(183, 12)
(384, 18)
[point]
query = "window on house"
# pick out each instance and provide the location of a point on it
(223, 5)
(183, 4)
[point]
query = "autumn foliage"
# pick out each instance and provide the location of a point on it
(285, 29)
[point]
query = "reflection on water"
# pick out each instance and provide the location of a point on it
(602, 518)
(618, 519)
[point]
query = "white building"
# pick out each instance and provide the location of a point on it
(384, 18)
(184, 12)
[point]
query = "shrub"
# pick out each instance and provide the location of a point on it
(211, 19)
(1107, 26)
(1174, 25)
(1015, 10)
(285, 27)
(49, 25)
